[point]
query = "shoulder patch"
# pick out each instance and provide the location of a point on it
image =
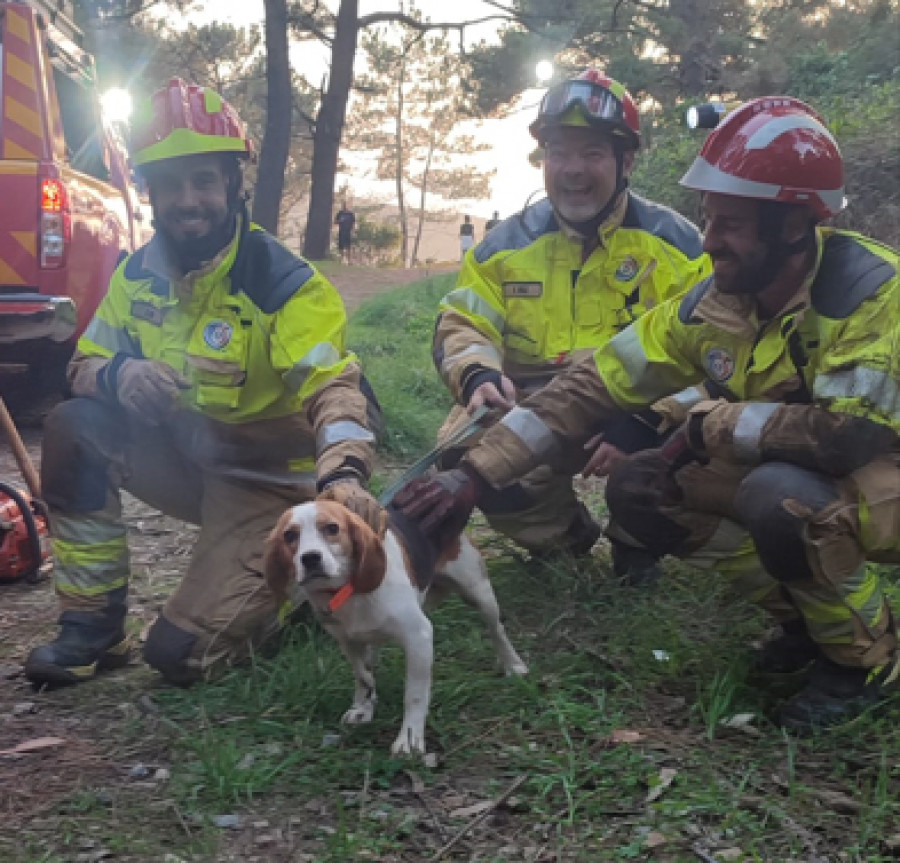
(267, 272)
(848, 275)
(691, 300)
(664, 223)
(518, 231)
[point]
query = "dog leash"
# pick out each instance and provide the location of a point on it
(463, 433)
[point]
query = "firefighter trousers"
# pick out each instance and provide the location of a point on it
(221, 609)
(798, 542)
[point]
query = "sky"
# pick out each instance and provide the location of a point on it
(515, 181)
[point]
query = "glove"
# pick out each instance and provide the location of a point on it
(149, 389)
(684, 445)
(351, 494)
(441, 504)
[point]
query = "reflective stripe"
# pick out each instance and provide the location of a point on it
(729, 539)
(113, 339)
(487, 352)
(748, 430)
(530, 428)
(645, 382)
(689, 397)
(88, 569)
(875, 387)
(323, 355)
(465, 299)
(340, 431)
(85, 531)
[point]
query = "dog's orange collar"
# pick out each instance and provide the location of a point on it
(340, 597)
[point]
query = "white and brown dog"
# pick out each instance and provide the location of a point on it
(367, 591)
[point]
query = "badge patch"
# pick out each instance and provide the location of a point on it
(720, 364)
(523, 289)
(627, 270)
(217, 334)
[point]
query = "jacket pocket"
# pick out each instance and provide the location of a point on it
(217, 360)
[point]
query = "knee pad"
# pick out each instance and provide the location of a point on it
(79, 436)
(168, 649)
(778, 533)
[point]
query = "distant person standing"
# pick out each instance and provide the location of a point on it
(466, 236)
(492, 223)
(346, 221)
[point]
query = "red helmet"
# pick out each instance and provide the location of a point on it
(182, 119)
(773, 149)
(590, 99)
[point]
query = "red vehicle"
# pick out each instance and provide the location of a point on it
(68, 208)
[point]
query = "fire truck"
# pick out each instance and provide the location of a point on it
(69, 210)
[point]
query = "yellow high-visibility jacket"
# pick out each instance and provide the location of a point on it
(260, 336)
(527, 306)
(818, 385)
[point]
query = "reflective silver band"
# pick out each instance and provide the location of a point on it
(530, 428)
(115, 340)
(748, 430)
(339, 432)
(323, 355)
(646, 382)
(872, 386)
(486, 352)
(465, 299)
(689, 397)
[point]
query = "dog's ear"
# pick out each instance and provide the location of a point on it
(369, 557)
(278, 558)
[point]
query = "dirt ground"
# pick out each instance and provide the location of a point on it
(84, 755)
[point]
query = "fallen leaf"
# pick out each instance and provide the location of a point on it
(469, 811)
(624, 735)
(33, 745)
(415, 781)
(662, 782)
(654, 840)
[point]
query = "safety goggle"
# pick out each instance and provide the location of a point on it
(596, 102)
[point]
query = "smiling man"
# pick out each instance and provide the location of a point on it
(553, 283)
(789, 483)
(212, 384)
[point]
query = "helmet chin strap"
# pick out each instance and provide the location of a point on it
(588, 227)
(772, 217)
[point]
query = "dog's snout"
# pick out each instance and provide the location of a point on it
(311, 560)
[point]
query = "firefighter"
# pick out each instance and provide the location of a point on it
(791, 483)
(213, 384)
(554, 282)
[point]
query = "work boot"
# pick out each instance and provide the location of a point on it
(790, 652)
(634, 567)
(88, 642)
(835, 694)
(577, 542)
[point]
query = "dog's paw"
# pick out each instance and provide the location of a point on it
(359, 714)
(409, 742)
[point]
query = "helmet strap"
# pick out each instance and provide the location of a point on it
(772, 218)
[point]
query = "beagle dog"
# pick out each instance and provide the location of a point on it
(366, 590)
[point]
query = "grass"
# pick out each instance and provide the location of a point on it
(615, 737)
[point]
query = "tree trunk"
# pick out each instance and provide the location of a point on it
(327, 133)
(276, 141)
(399, 164)
(424, 191)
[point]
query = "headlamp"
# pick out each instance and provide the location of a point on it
(705, 116)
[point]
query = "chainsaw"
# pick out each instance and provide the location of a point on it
(24, 529)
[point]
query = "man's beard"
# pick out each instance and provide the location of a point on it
(754, 276)
(191, 252)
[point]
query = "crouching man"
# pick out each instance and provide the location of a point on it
(791, 483)
(213, 384)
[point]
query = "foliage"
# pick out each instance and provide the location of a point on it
(409, 107)
(375, 243)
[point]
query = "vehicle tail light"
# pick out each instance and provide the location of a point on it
(56, 224)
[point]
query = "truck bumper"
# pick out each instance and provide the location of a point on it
(30, 317)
